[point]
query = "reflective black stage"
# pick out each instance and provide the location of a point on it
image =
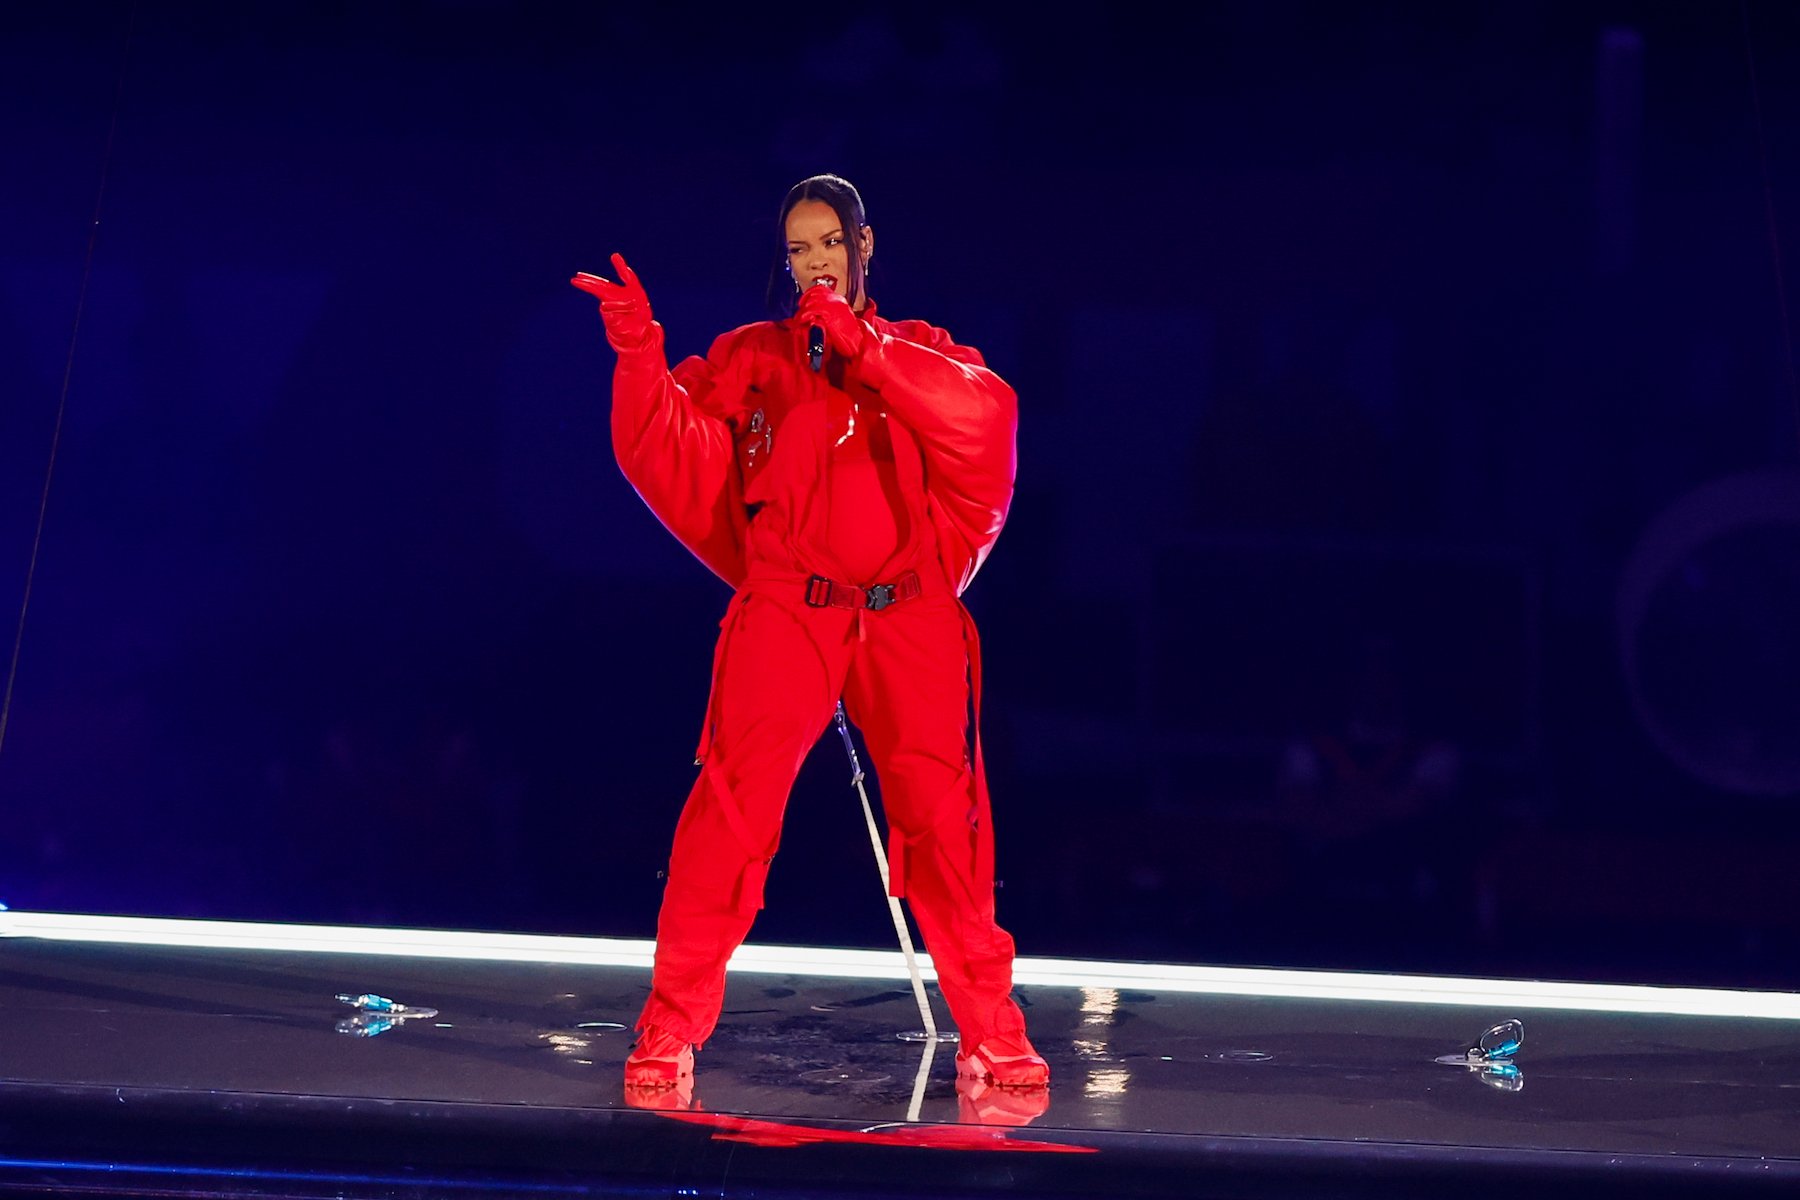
(144, 1070)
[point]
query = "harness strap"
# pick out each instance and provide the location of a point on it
(754, 874)
(734, 611)
(976, 820)
(981, 813)
(824, 593)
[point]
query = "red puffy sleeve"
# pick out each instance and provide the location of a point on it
(966, 419)
(674, 443)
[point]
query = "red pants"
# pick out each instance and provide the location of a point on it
(904, 675)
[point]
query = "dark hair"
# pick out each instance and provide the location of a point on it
(838, 192)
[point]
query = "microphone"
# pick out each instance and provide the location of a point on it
(815, 336)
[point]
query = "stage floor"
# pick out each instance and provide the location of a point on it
(150, 1057)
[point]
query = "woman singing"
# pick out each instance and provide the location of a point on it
(847, 475)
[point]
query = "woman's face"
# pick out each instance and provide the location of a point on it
(818, 247)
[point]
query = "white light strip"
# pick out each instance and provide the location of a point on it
(888, 965)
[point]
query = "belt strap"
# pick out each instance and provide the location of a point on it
(823, 593)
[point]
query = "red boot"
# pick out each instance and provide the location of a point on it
(979, 1102)
(659, 1060)
(1005, 1060)
(677, 1097)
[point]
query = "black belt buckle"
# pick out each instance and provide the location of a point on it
(880, 596)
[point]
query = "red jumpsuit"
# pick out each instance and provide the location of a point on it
(899, 462)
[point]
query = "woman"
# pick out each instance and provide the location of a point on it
(847, 474)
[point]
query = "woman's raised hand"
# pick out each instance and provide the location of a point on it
(822, 306)
(623, 305)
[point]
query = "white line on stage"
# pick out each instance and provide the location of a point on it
(889, 965)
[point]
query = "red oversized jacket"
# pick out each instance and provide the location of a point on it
(747, 427)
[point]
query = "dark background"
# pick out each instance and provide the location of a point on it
(1405, 567)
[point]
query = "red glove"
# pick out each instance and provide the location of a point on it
(623, 305)
(844, 331)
